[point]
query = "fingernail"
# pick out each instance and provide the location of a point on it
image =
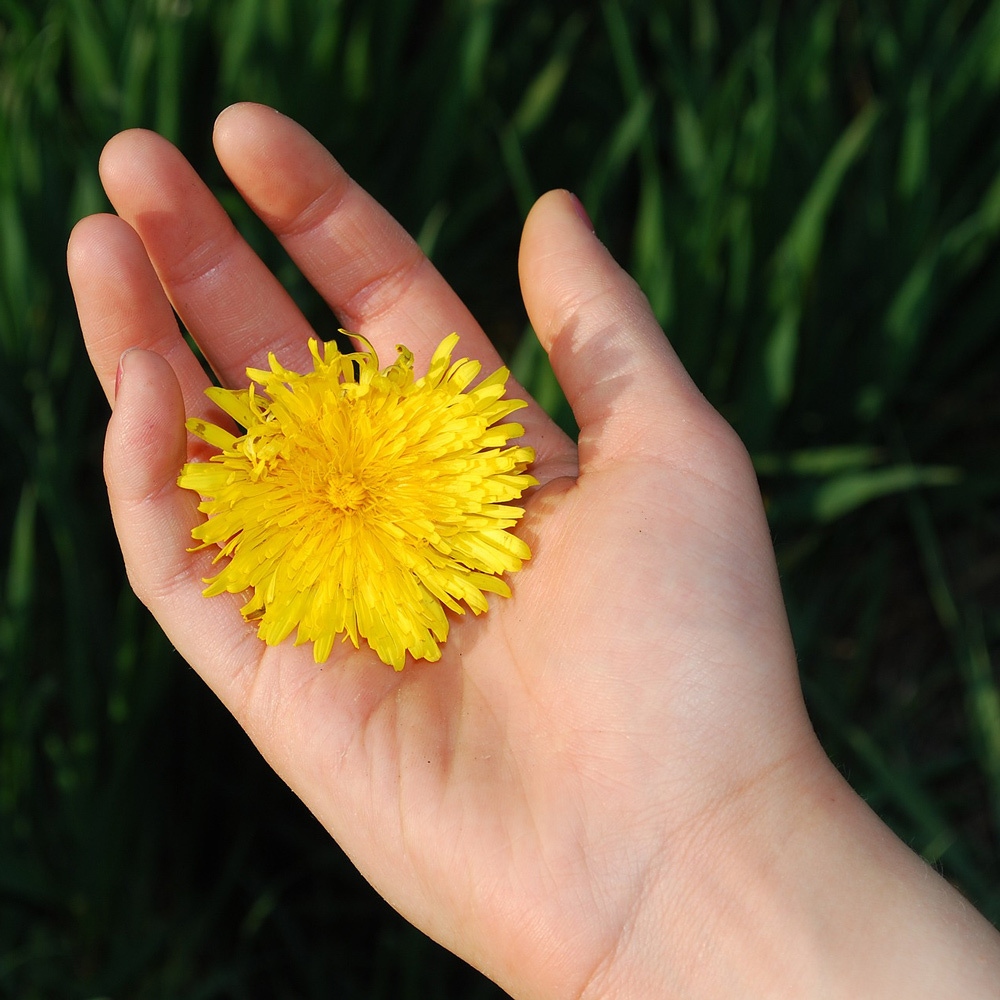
(580, 210)
(121, 370)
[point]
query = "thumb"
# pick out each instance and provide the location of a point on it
(622, 378)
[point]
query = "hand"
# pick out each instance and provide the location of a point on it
(608, 785)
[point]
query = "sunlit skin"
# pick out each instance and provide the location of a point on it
(608, 786)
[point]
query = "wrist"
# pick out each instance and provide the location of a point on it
(798, 889)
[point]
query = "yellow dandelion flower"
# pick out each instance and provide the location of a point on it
(361, 502)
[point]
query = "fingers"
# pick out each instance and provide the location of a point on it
(121, 305)
(144, 452)
(626, 386)
(363, 263)
(230, 302)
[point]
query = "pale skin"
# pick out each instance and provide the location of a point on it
(608, 786)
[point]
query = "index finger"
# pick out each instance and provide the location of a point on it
(364, 264)
(368, 269)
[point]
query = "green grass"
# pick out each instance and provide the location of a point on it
(810, 198)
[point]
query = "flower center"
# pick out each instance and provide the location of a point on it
(347, 493)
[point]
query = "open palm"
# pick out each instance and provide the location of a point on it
(599, 735)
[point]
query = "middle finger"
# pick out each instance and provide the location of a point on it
(231, 303)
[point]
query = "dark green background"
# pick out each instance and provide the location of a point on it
(810, 195)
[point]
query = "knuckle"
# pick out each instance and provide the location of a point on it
(383, 290)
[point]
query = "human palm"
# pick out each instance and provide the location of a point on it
(597, 735)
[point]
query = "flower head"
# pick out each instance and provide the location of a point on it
(360, 502)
